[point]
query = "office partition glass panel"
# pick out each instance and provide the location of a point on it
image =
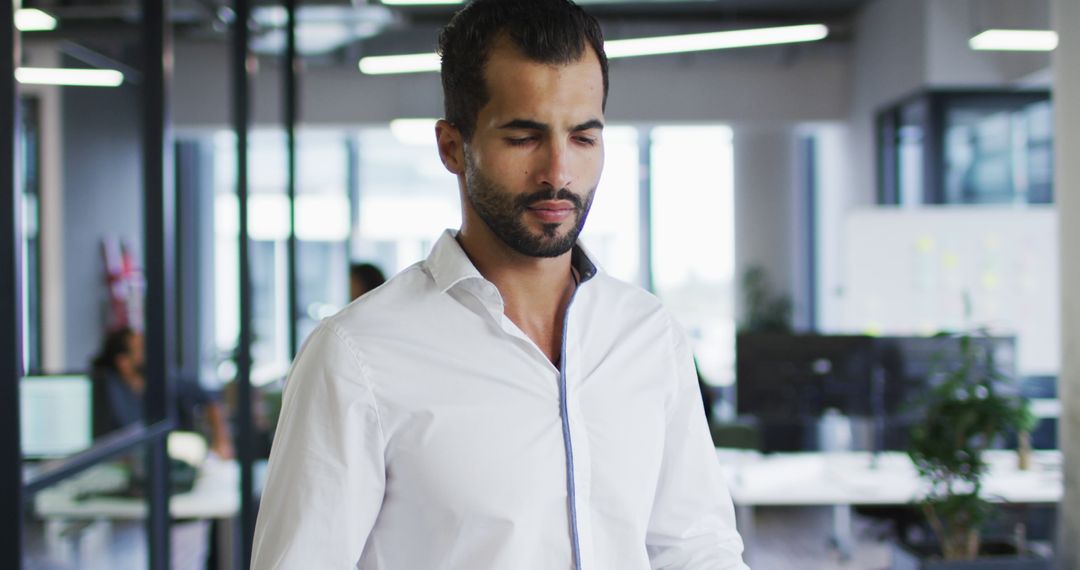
(83, 281)
(693, 240)
(613, 230)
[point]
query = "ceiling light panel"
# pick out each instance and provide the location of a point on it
(71, 77)
(637, 47)
(715, 40)
(33, 20)
(1015, 40)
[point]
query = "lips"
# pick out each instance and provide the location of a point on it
(552, 211)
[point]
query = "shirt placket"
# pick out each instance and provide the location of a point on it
(574, 437)
(579, 441)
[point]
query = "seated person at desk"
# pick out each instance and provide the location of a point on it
(119, 384)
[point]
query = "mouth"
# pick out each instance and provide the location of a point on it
(552, 211)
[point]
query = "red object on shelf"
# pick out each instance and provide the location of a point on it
(126, 285)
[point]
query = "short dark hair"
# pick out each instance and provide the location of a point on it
(116, 343)
(546, 31)
(368, 274)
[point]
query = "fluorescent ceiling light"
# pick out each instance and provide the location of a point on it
(1015, 40)
(421, 62)
(33, 20)
(73, 77)
(715, 40)
(410, 63)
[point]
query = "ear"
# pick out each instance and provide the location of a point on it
(451, 146)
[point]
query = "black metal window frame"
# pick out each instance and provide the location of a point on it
(11, 480)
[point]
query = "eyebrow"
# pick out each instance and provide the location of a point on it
(530, 125)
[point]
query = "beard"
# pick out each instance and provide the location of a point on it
(504, 213)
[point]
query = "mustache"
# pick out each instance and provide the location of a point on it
(525, 200)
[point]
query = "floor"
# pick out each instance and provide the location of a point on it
(797, 538)
(786, 538)
(111, 546)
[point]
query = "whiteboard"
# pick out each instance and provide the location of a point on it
(907, 272)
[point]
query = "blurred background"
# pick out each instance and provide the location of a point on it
(829, 195)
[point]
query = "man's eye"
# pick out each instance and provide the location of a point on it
(590, 141)
(519, 141)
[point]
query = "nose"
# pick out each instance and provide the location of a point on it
(556, 168)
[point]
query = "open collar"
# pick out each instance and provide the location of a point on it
(449, 265)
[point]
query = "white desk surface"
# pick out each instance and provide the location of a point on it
(216, 494)
(851, 478)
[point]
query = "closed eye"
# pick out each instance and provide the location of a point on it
(519, 141)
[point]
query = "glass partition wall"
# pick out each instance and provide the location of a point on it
(91, 388)
(967, 147)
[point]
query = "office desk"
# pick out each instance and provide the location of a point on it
(845, 479)
(215, 495)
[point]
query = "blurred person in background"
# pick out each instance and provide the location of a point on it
(363, 277)
(119, 384)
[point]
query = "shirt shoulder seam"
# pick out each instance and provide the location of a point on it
(364, 374)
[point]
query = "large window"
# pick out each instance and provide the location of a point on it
(613, 231)
(406, 196)
(322, 228)
(693, 240)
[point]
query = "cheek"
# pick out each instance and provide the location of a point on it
(593, 167)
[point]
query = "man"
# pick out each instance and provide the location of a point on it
(503, 404)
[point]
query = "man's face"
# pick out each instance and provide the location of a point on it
(537, 152)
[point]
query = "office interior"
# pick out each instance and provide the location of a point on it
(830, 219)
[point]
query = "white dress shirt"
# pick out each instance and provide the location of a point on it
(421, 429)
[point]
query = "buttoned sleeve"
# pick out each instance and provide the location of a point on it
(693, 520)
(326, 474)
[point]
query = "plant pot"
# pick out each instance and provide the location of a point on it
(926, 557)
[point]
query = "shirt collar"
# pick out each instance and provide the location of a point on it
(449, 265)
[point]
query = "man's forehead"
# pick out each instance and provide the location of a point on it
(504, 49)
(518, 85)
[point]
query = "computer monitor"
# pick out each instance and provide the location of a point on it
(787, 382)
(55, 416)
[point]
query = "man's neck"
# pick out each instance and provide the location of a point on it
(535, 290)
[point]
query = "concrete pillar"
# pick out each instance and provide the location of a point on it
(1066, 18)
(768, 229)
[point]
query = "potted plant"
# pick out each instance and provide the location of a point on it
(964, 413)
(765, 310)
